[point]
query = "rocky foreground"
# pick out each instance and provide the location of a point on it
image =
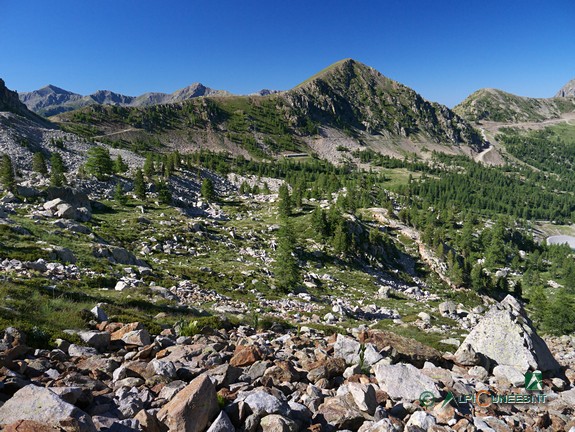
(123, 379)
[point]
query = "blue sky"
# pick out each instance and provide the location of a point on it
(444, 49)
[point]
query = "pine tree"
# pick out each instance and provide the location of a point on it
(58, 169)
(7, 173)
(99, 163)
(319, 222)
(207, 190)
(341, 238)
(559, 318)
(149, 168)
(120, 167)
(39, 164)
(286, 271)
(119, 194)
(164, 194)
(284, 205)
(139, 185)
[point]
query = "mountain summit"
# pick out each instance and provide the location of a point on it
(351, 94)
(568, 90)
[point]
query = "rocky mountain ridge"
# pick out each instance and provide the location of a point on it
(52, 100)
(499, 106)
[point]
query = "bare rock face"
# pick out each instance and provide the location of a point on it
(41, 405)
(506, 336)
(192, 408)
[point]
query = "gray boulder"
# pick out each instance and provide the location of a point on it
(507, 336)
(404, 381)
(43, 406)
(222, 423)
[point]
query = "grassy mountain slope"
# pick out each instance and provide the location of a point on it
(347, 97)
(499, 106)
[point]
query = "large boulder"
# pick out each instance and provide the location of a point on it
(72, 196)
(192, 408)
(507, 337)
(41, 405)
(404, 381)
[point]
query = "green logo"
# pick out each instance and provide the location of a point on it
(448, 400)
(426, 399)
(533, 380)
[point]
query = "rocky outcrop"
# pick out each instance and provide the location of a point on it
(568, 90)
(506, 336)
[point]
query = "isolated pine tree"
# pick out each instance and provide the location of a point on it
(139, 185)
(99, 163)
(119, 194)
(164, 194)
(207, 190)
(120, 167)
(58, 169)
(39, 164)
(286, 271)
(7, 173)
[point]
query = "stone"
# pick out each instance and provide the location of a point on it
(347, 349)
(147, 422)
(30, 426)
(99, 313)
(364, 397)
(447, 308)
(404, 381)
(277, 423)
(262, 403)
(44, 406)
(510, 374)
(137, 337)
(506, 335)
(421, 420)
(222, 423)
(245, 356)
(479, 372)
(341, 414)
(192, 408)
(95, 339)
(466, 356)
(65, 211)
(405, 349)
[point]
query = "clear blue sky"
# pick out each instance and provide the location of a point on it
(443, 49)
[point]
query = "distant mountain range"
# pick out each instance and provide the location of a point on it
(52, 100)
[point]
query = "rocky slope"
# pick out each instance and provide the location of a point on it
(352, 95)
(499, 106)
(9, 102)
(568, 90)
(51, 100)
(122, 378)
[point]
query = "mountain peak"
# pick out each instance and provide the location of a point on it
(568, 90)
